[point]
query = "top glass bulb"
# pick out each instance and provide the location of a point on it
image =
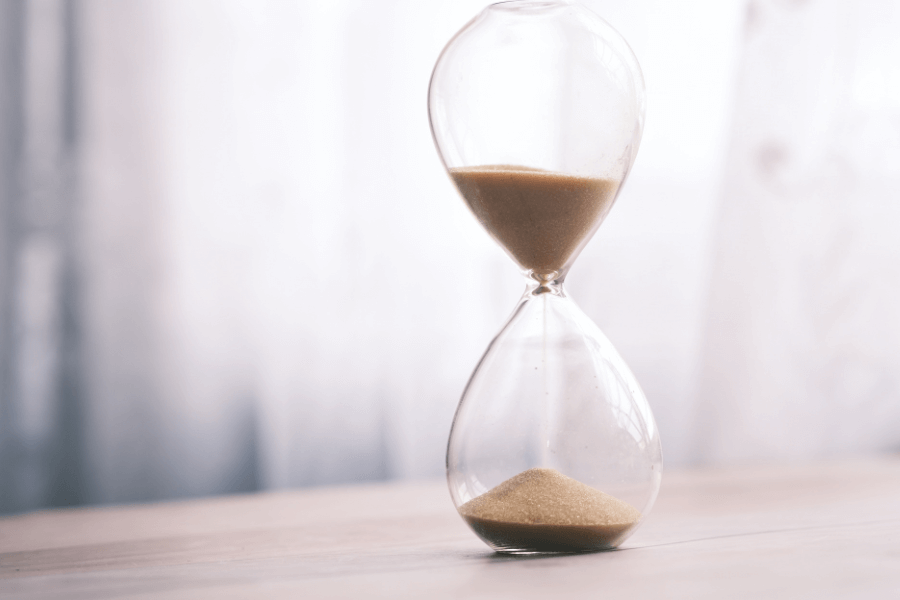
(549, 86)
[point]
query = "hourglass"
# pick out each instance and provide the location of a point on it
(537, 111)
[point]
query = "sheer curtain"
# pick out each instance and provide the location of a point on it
(259, 276)
(802, 340)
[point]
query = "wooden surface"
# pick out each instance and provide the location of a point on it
(814, 531)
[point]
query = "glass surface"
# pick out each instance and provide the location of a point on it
(537, 112)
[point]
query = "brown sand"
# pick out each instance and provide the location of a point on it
(542, 510)
(540, 217)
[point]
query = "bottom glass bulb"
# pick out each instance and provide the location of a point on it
(553, 447)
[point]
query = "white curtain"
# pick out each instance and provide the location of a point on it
(802, 343)
(310, 285)
(278, 286)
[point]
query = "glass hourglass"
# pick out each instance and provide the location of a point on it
(537, 111)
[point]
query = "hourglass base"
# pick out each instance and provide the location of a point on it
(524, 538)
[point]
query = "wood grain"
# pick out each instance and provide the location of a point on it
(797, 531)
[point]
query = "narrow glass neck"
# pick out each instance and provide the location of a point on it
(536, 284)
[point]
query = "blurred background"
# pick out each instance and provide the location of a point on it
(230, 259)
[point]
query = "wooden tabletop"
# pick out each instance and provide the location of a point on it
(829, 530)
